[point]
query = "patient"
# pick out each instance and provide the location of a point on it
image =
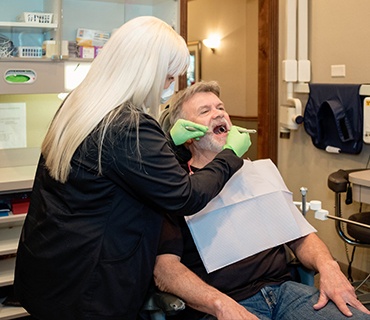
(260, 286)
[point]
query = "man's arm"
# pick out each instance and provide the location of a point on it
(172, 276)
(315, 255)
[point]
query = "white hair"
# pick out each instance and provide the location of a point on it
(129, 73)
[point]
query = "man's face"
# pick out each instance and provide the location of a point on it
(207, 109)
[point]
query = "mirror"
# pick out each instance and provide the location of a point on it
(245, 64)
(194, 73)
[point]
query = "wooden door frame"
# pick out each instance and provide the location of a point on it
(184, 34)
(268, 53)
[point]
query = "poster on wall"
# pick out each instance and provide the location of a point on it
(13, 133)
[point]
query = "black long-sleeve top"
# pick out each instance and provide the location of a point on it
(88, 246)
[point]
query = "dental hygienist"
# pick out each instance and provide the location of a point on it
(105, 176)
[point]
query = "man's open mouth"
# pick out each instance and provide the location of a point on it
(219, 129)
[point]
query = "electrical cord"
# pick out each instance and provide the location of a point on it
(350, 261)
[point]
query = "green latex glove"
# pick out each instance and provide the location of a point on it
(238, 142)
(183, 130)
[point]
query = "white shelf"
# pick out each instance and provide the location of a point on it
(13, 24)
(9, 238)
(7, 272)
(12, 220)
(12, 312)
(17, 178)
(10, 232)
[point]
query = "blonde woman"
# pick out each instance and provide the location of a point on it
(105, 176)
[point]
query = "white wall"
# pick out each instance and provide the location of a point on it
(234, 64)
(338, 34)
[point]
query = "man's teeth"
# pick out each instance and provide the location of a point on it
(220, 129)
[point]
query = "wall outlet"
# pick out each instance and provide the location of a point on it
(338, 71)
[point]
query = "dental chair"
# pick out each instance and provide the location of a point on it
(350, 230)
(159, 304)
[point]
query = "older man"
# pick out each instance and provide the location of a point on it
(257, 287)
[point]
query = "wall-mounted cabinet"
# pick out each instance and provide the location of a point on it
(40, 77)
(22, 43)
(28, 23)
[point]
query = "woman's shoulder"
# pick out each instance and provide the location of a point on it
(124, 128)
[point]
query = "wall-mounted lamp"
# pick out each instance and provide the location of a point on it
(212, 42)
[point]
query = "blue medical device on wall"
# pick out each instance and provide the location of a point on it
(333, 117)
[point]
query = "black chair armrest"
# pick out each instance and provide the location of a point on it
(166, 302)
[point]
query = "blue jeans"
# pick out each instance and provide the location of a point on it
(292, 301)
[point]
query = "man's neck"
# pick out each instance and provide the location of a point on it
(199, 160)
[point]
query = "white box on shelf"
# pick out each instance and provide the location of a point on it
(36, 17)
(30, 52)
(50, 48)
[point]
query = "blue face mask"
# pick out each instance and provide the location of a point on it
(168, 93)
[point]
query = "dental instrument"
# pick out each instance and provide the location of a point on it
(241, 130)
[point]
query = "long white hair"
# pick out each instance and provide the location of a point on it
(130, 72)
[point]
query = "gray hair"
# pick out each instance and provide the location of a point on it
(176, 111)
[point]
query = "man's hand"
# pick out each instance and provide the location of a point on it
(183, 130)
(315, 255)
(334, 286)
(238, 142)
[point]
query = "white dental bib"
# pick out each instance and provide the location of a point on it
(252, 213)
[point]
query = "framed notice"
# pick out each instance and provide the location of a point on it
(13, 132)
